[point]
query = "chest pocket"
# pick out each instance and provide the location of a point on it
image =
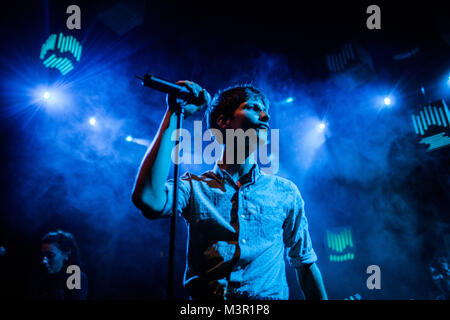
(267, 217)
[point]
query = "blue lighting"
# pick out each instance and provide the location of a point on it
(322, 126)
(289, 100)
(47, 95)
(129, 138)
(387, 101)
(92, 121)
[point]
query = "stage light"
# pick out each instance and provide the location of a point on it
(431, 124)
(320, 126)
(340, 244)
(129, 138)
(63, 53)
(92, 121)
(385, 101)
(289, 100)
(47, 95)
(422, 89)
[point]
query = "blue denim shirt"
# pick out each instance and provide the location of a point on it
(238, 236)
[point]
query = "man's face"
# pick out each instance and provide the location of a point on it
(252, 114)
(52, 258)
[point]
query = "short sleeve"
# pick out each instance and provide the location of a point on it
(184, 191)
(296, 236)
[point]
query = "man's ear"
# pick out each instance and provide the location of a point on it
(223, 122)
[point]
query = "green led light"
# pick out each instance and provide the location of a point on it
(443, 118)
(69, 38)
(66, 46)
(49, 59)
(71, 44)
(65, 63)
(58, 43)
(63, 44)
(339, 242)
(344, 236)
(351, 239)
(67, 68)
(52, 42)
(42, 55)
(75, 49)
(59, 40)
(53, 63)
(59, 62)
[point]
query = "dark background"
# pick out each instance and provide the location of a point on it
(367, 171)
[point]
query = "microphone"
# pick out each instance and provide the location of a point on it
(167, 87)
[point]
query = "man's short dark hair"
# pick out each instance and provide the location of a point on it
(227, 101)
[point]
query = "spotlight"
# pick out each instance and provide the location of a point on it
(63, 52)
(320, 127)
(387, 101)
(92, 121)
(289, 100)
(47, 95)
(129, 138)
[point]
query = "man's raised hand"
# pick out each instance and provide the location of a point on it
(202, 99)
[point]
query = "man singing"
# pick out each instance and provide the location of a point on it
(241, 221)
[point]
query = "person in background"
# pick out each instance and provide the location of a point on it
(440, 273)
(59, 250)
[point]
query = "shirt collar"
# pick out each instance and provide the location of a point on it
(222, 174)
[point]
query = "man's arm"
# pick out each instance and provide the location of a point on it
(310, 280)
(148, 193)
(149, 189)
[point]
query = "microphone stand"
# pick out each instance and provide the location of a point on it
(166, 86)
(173, 221)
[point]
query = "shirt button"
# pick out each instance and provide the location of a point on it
(243, 240)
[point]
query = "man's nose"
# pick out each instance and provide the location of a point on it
(264, 116)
